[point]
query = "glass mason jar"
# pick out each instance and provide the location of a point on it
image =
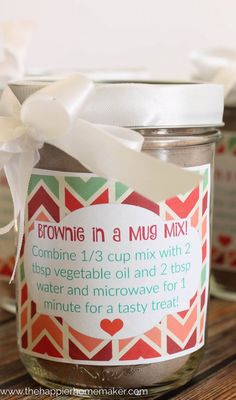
(129, 309)
(223, 278)
(7, 248)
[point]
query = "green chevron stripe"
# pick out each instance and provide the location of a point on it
(22, 273)
(203, 275)
(232, 143)
(120, 189)
(50, 181)
(86, 189)
(205, 179)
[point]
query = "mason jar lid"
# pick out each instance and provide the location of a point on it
(146, 104)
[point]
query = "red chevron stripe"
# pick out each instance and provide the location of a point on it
(71, 202)
(105, 354)
(44, 346)
(60, 320)
(203, 298)
(183, 208)
(75, 353)
(24, 294)
(41, 197)
(173, 347)
(192, 341)
(192, 300)
(102, 199)
(24, 340)
(33, 309)
(5, 270)
(138, 200)
(140, 350)
(183, 313)
(22, 247)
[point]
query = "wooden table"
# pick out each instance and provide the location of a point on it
(215, 380)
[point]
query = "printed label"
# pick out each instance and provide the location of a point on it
(109, 277)
(7, 241)
(224, 221)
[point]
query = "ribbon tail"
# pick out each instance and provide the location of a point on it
(11, 172)
(18, 173)
(4, 161)
(226, 76)
(5, 229)
(19, 242)
(100, 152)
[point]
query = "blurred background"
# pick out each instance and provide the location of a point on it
(156, 35)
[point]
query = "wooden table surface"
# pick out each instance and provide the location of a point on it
(215, 380)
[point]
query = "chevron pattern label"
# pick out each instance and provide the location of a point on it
(224, 221)
(7, 241)
(107, 277)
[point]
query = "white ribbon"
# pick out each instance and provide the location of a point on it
(51, 115)
(217, 66)
(14, 41)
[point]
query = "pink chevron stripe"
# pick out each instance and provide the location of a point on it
(204, 251)
(87, 342)
(204, 203)
(181, 331)
(195, 218)
(169, 217)
(154, 335)
(204, 228)
(124, 342)
(202, 323)
(31, 227)
(45, 322)
(24, 318)
(42, 217)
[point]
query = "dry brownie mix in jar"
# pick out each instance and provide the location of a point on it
(112, 287)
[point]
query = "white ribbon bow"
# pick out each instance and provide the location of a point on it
(217, 66)
(51, 115)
